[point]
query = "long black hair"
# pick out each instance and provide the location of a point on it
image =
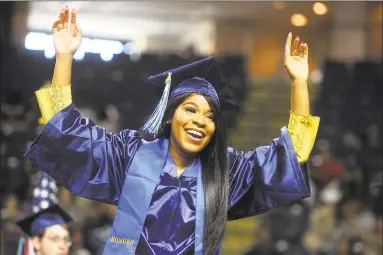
(215, 174)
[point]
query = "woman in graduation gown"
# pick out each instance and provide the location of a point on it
(174, 194)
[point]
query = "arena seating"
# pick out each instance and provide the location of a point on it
(350, 104)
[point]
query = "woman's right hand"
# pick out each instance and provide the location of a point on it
(67, 37)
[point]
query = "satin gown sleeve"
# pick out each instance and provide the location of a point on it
(274, 175)
(85, 158)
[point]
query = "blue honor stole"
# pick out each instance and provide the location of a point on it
(141, 180)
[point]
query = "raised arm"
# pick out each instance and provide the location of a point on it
(87, 159)
(276, 175)
(296, 64)
(67, 39)
(302, 126)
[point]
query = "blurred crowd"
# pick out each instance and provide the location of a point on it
(342, 217)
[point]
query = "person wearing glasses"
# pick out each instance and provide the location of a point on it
(48, 232)
(47, 227)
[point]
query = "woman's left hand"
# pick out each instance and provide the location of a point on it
(296, 59)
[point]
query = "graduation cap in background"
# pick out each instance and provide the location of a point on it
(202, 77)
(36, 223)
(46, 211)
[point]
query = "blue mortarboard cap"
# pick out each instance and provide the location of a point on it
(203, 77)
(37, 222)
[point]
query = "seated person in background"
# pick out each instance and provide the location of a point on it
(48, 231)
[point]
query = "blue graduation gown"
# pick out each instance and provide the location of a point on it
(92, 163)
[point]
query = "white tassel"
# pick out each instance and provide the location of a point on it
(153, 125)
(20, 247)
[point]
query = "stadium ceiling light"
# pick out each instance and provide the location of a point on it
(319, 8)
(299, 20)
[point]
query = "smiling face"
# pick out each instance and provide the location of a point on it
(192, 125)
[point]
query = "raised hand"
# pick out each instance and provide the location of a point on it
(67, 35)
(296, 58)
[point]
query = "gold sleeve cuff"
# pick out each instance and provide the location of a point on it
(53, 99)
(303, 131)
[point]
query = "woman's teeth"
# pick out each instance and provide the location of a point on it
(195, 134)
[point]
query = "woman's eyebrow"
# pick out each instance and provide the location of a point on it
(192, 103)
(196, 105)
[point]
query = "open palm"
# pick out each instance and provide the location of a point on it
(67, 36)
(296, 58)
